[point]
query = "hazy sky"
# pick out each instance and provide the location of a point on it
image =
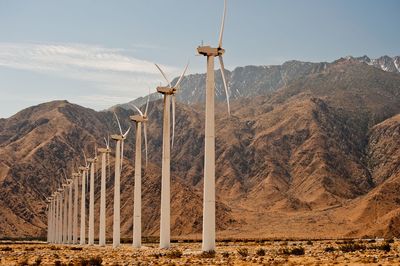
(99, 53)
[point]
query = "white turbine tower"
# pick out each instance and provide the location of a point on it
(209, 153)
(165, 219)
(59, 218)
(56, 215)
(75, 215)
(49, 218)
(137, 208)
(49, 209)
(53, 217)
(105, 161)
(84, 171)
(65, 214)
(92, 163)
(119, 156)
(69, 229)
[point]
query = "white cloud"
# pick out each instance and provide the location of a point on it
(110, 69)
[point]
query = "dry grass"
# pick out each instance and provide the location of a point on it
(227, 253)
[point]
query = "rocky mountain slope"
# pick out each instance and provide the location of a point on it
(317, 156)
(251, 81)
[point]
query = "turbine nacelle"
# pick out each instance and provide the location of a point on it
(210, 51)
(83, 168)
(138, 118)
(117, 137)
(92, 160)
(104, 150)
(166, 90)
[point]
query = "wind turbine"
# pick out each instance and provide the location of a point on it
(69, 229)
(75, 215)
(105, 160)
(92, 163)
(84, 170)
(49, 218)
(49, 209)
(165, 219)
(65, 214)
(53, 217)
(119, 156)
(56, 214)
(137, 208)
(209, 154)
(59, 219)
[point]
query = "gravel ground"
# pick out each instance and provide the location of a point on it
(339, 252)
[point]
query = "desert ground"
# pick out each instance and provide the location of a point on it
(260, 252)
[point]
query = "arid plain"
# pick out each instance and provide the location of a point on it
(268, 252)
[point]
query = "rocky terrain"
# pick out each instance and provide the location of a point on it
(329, 252)
(312, 154)
(252, 81)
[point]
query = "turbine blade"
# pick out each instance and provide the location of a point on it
(134, 106)
(221, 33)
(165, 77)
(181, 77)
(147, 104)
(105, 141)
(84, 156)
(221, 61)
(119, 125)
(173, 121)
(126, 133)
(145, 140)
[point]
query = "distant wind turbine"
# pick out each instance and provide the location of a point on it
(56, 215)
(75, 215)
(59, 219)
(137, 208)
(49, 214)
(92, 163)
(51, 222)
(69, 229)
(209, 154)
(105, 161)
(65, 214)
(84, 171)
(165, 220)
(119, 156)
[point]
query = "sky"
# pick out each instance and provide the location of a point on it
(99, 53)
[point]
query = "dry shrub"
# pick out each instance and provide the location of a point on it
(260, 252)
(351, 247)
(298, 251)
(174, 254)
(208, 254)
(243, 252)
(225, 254)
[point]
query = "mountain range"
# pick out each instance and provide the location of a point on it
(252, 81)
(310, 150)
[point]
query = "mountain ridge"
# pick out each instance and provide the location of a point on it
(262, 80)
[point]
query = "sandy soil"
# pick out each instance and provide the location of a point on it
(357, 252)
